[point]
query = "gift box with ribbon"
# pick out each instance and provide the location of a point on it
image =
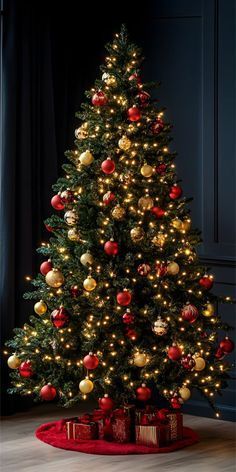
(175, 420)
(121, 425)
(82, 428)
(153, 428)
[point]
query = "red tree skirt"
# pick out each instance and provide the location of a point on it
(55, 435)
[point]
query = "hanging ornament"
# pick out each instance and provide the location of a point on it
(109, 79)
(157, 126)
(73, 234)
(146, 170)
(111, 248)
(158, 212)
(81, 132)
(160, 327)
(108, 197)
(227, 345)
(177, 224)
(161, 169)
(134, 114)
(45, 267)
(57, 203)
(90, 361)
(40, 307)
(74, 291)
(25, 369)
(140, 359)
(135, 77)
(145, 203)
(209, 310)
(60, 318)
(48, 393)
(189, 313)
(131, 334)
(128, 317)
(89, 284)
(86, 259)
(143, 393)
(188, 362)
(106, 403)
(124, 298)
(219, 354)
(71, 217)
(13, 362)
(67, 196)
(126, 178)
(108, 166)
(144, 97)
(206, 282)
(118, 212)
(54, 278)
(175, 192)
(86, 158)
(144, 269)
(159, 240)
(186, 225)
(185, 393)
(86, 385)
(99, 99)
(161, 269)
(124, 143)
(172, 268)
(174, 352)
(176, 402)
(49, 228)
(137, 234)
(200, 364)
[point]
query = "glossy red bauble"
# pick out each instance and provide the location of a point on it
(189, 313)
(124, 298)
(175, 403)
(57, 203)
(128, 317)
(108, 166)
(161, 169)
(60, 318)
(188, 362)
(134, 114)
(106, 403)
(67, 196)
(45, 267)
(227, 345)
(143, 393)
(90, 361)
(48, 393)
(157, 126)
(157, 211)
(135, 77)
(144, 97)
(206, 282)
(108, 198)
(99, 99)
(111, 248)
(174, 353)
(161, 269)
(175, 192)
(25, 369)
(74, 290)
(219, 353)
(144, 269)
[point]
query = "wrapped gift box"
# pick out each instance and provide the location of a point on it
(152, 435)
(175, 420)
(77, 430)
(121, 426)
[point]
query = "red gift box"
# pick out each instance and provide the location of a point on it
(152, 435)
(145, 415)
(121, 426)
(82, 428)
(175, 420)
(103, 420)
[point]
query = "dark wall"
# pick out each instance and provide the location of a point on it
(51, 54)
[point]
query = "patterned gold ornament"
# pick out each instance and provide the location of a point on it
(109, 79)
(118, 212)
(177, 224)
(89, 283)
(86, 259)
(86, 158)
(200, 364)
(70, 217)
(73, 234)
(13, 362)
(137, 234)
(124, 143)
(146, 170)
(86, 385)
(159, 239)
(40, 307)
(186, 225)
(185, 393)
(145, 203)
(81, 132)
(54, 278)
(160, 327)
(173, 268)
(209, 310)
(140, 359)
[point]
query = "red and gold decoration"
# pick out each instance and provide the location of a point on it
(174, 352)
(140, 359)
(48, 393)
(206, 282)
(90, 361)
(118, 212)
(175, 192)
(158, 212)
(108, 166)
(55, 278)
(128, 317)
(86, 386)
(108, 197)
(111, 248)
(189, 313)
(13, 362)
(106, 403)
(160, 327)
(200, 363)
(157, 126)
(146, 170)
(86, 259)
(124, 298)
(40, 307)
(134, 114)
(89, 284)
(124, 143)
(57, 203)
(86, 158)
(60, 318)
(26, 370)
(143, 393)
(99, 99)
(209, 310)
(144, 269)
(137, 234)
(227, 345)
(45, 267)
(145, 203)
(188, 362)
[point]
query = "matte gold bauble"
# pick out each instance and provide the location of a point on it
(185, 393)
(13, 362)
(86, 158)
(86, 259)
(200, 364)
(146, 170)
(118, 212)
(173, 268)
(140, 359)
(186, 225)
(177, 224)
(89, 283)
(137, 234)
(145, 203)
(124, 143)
(73, 234)
(209, 310)
(159, 240)
(86, 386)
(54, 278)
(40, 307)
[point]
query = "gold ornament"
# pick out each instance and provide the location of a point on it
(70, 217)
(89, 283)
(177, 224)
(186, 225)
(200, 364)
(86, 158)
(124, 143)
(159, 239)
(137, 234)
(54, 278)
(140, 359)
(209, 310)
(160, 327)
(145, 203)
(173, 268)
(146, 170)
(118, 212)
(185, 393)
(86, 385)
(109, 80)
(40, 307)
(86, 259)
(82, 133)
(73, 234)
(13, 362)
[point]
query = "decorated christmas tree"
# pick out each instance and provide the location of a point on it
(124, 307)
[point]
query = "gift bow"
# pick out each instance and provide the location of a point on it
(155, 418)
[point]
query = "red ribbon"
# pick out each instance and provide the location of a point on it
(154, 417)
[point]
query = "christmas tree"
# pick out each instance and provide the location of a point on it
(123, 305)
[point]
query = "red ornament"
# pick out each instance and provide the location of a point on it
(219, 353)
(144, 269)
(157, 126)
(48, 228)
(206, 282)
(131, 334)
(46, 267)
(99, 99)
(175, 192)
(175, 403)
(124, 298)
(25, 369)
(157, 211)
(134, 114)
(227, 345)
(161, 269)
(128, 317)
(67, 196)
(74, 290)
(90, 361)
(48, 393)
(161, 169)
(143, 97)
(108, 166)
(143, 393)
(60, 318)
(111, 248)
(108, 197)
(189, 313)
(135, 77)
(106, 403)
(162, 414)
(57, 203)
(188, 362)
(174, 353)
